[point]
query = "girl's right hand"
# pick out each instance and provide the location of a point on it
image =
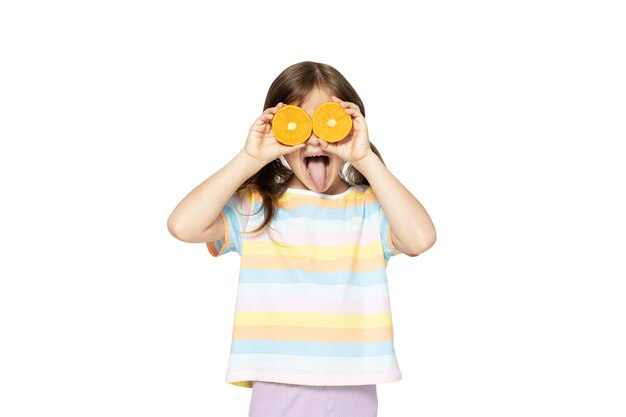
(261, 143)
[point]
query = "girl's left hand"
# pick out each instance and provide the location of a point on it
(356, 145)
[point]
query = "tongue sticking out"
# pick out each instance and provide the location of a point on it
(317, 171)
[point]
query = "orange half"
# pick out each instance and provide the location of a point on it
(331, 122)
(291, 125)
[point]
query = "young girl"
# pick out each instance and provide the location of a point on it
(312, 331)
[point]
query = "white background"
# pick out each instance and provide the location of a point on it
(502, 118)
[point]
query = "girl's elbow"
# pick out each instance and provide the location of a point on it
(177, 230)
(425, 243)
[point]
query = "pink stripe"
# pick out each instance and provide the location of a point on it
(321, 239)
(329, 305)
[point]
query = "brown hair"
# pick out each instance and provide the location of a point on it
(292, 86)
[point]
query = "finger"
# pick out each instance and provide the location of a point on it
(354, 111)
(347, 105)
(272, 110)
(328, 146)
(340, 101)
(277, 107)
(290, 149)
(268, 116)
(343, 103)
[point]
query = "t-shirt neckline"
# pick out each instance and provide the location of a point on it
(322, 195)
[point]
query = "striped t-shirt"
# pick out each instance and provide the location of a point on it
(312, 302)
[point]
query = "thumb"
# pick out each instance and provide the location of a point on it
(290, 149)
(327, 146)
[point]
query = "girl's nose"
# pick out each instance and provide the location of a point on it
(313, 140)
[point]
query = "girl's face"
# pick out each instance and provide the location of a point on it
(309, 172)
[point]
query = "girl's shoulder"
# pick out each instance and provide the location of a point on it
(250, 192)
(366, 193)
(245, 199)
(252, 196)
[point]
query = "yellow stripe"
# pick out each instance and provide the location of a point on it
(313, 334)
(353, 250)
(354, 321)
(293, 201)
(312, 264)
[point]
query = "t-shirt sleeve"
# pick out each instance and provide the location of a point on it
(389, 249)
(235, 215)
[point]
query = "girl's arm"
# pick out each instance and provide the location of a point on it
(196, 218)
(411, 226)
(199, 210)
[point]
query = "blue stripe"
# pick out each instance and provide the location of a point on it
(234, 230)
(289, 347)
(298, 276)
(384, 225)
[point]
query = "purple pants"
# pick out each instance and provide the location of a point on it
(273, 399)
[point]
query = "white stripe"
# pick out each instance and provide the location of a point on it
(302, 224)
(323, 195)
(312, 363)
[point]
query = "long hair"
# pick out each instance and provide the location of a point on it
(292, 86)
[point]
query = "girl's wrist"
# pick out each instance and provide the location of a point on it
(363, 163)
(253, 165)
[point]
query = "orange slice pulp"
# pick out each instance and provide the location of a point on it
(331, 122)
(291, 125)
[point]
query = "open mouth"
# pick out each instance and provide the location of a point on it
(325, 159)
(317, 167)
